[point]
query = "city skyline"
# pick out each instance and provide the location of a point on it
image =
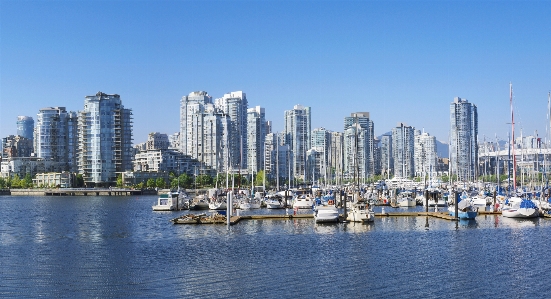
(401, 61)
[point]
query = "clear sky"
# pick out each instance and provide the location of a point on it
(400, 61)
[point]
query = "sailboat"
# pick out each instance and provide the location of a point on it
(515, 206)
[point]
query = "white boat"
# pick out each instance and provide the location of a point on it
(303, 202)
(326, 212)
(218, 204)
(516, 207)
(199, 203)
(274, 203)
(248, 204)
(360, 212)
(171, 201)
(406, 199)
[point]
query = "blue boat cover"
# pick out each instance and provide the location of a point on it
(527, 204)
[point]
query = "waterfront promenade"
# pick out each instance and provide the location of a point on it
(79, 192)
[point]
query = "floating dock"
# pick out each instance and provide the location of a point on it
(220, 219)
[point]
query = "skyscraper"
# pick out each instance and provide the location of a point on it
(425, 155)
(235, 105)
(463, 139)
(192, 108)
(105, 139)
(403, 150)
(56, 133)
(387, 161)
(256, 135)
(297, 136)
(358, 145)
(25, 127)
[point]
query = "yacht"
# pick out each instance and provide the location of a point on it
(361, 212)
(406, 199)
(199, 203)
(326, 212)
(303, 202)
(274, 202)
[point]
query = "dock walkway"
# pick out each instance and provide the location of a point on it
(219, 219)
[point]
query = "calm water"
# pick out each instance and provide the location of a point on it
(117, 247)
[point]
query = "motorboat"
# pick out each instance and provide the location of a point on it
(406, 199)
(326, 212)
(303, 202)
(199, 203)
(361, 212)
(248, 204)
(465, 208)
(274, 202)
(516, 207)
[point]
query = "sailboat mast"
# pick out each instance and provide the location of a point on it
(513, 136)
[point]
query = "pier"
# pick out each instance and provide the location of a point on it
(214, 218)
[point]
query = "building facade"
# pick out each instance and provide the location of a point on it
(256, 136)
(359, 146)
(25, 127)
(387, 161)
(56, 136)
(463, 139)
(16, 146)
(104, 139)
(297, 129)
(403, 150)
(235, 105)
(425, 155)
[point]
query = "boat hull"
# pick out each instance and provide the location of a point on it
(520, 213)
(326, 214)
(464, 215)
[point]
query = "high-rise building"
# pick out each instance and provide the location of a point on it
(56, 133)
(336, 156)
(277, 160)
(256, 135)
(235, 105)
(425, 155)
(105, 139)
(297, 129)
(25, 127)
(402, 150)
(215, 143)
(192, 108)
(359, 146)
(387, 161)
(463, 139)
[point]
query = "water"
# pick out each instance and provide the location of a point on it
(118, 247)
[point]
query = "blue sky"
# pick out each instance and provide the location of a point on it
(402, 61)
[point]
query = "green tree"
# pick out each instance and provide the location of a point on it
(79, 181)
(16, 182)
(2, 183)
(445, 178)
(204, 180)
(139, 185)
(259, 179)
(151, 183)
(119, 181)
(160, 183)
(27, 182)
